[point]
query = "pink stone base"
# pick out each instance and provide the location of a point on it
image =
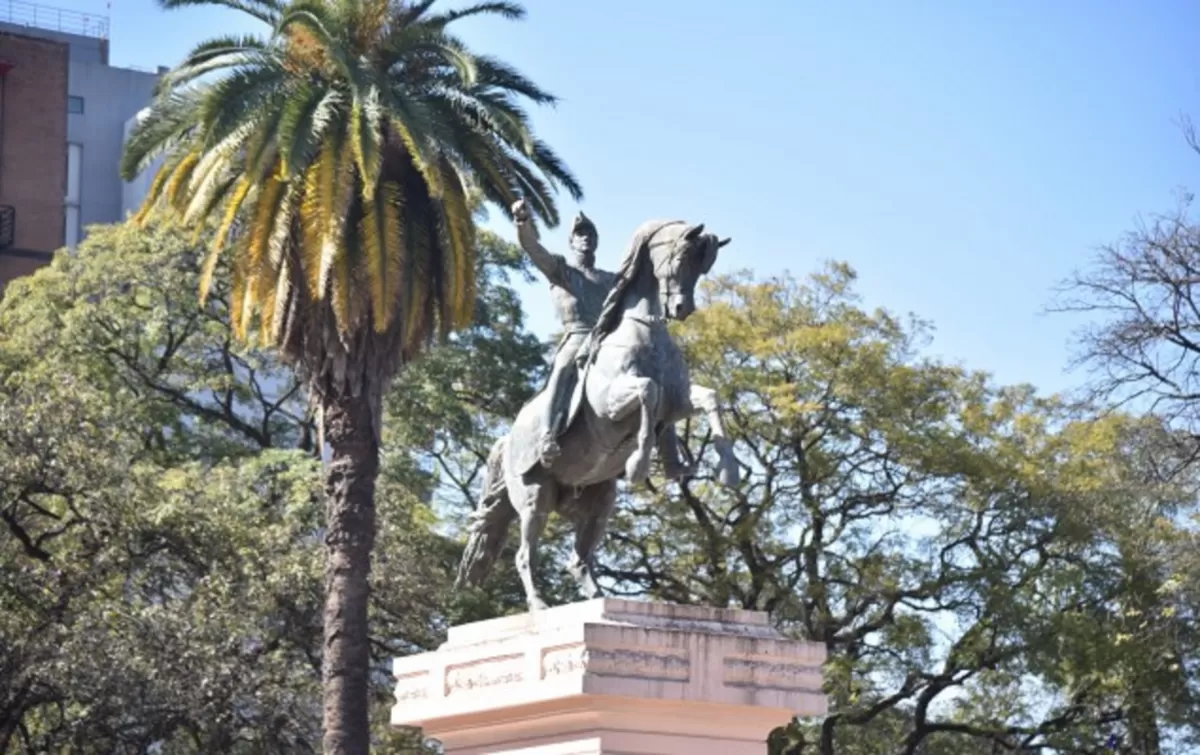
(610, 677)
(605, 725)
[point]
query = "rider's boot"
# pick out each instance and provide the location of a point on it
(548, 448)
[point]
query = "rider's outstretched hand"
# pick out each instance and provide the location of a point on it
(521, 212)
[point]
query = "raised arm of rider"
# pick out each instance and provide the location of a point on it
(551, 265)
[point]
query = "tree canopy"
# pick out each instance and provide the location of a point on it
(962, 550)
(990, 570)
(161, 579)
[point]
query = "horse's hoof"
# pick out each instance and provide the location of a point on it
(730, 478)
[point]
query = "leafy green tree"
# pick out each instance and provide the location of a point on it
(135, 483)
(160, 578)
(1138, 346)
(961, 550)
(342, 154)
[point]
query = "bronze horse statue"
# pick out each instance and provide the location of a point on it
(633, 389)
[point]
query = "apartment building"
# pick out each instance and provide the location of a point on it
(63, 111)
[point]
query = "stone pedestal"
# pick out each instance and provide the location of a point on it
(610, 677)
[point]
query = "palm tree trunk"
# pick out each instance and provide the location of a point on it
(350, 535)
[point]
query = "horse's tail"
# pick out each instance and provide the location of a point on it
(489, 522)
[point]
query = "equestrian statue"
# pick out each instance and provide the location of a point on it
(618, 387)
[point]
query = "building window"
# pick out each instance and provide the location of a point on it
(72, 231)
(75, 105)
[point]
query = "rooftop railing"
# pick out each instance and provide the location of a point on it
(49, 18)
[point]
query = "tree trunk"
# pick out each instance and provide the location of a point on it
(350, 535)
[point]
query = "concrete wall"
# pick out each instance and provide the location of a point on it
(111, 96)
(134, 192)
(33, 165)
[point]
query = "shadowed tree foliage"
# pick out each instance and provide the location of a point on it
(160, 551)
(341, 156)
(962, 550)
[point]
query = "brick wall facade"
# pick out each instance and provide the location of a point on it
(16, 265)
(33, 162)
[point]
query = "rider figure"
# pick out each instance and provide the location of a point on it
(578, 289)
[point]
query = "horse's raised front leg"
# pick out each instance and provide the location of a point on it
(593, 508)
(533, 502)
(705, 399)
(668, 452)
(626, 395)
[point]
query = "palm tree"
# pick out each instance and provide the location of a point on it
(341, 157)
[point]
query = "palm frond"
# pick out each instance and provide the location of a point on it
(271, 283)
(496, 74)
(296, 138)
(460, 248)
(484, 117)
(510, 11)
(237, 297)
(281, 301)
(165, 125)
(366, 139)
(333, 247)
(173, 191)
(245, 95)
(536, 191)
(212, 176)
(316, 214)
(427, 49)
(214, 55)
(420, 281)
(408, 13)
(486, 163)
(382, 236)
(259, 235)
(313, 16)
(262, 147)
(232, 210)
(157, 187)
(550, 164)
(342, 157)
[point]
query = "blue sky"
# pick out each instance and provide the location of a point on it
(962, 156)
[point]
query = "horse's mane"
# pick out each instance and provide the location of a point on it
(639, 250)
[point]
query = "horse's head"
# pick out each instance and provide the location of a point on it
(679, 255)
